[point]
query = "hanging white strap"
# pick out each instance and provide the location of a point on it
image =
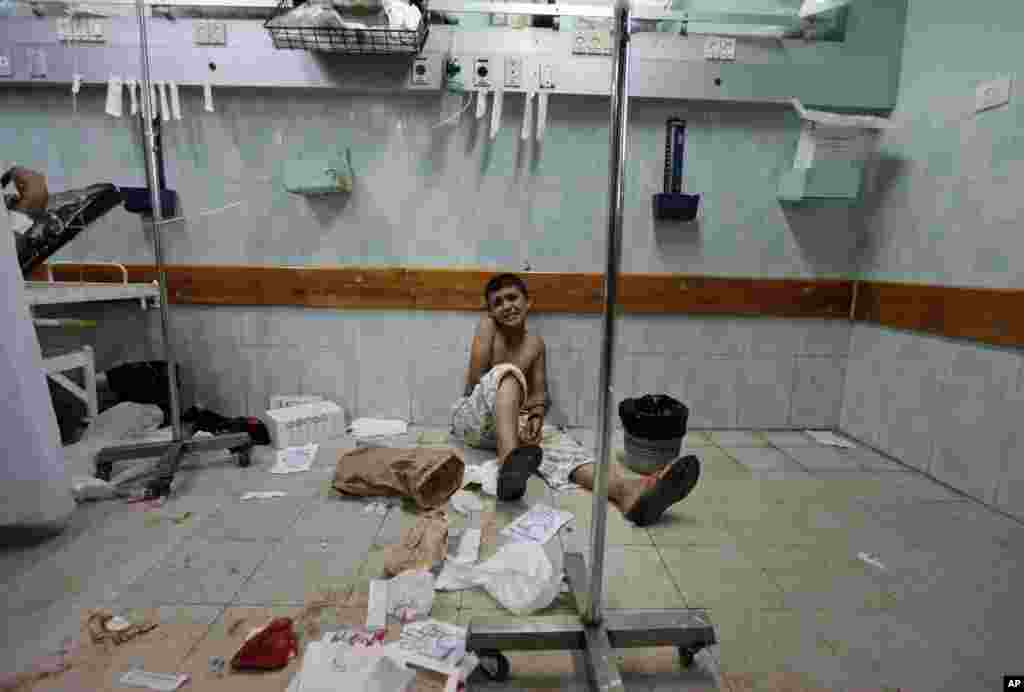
(481, 103)
(527, 116)
(175, 101)
(133, 95)
(496, 112)
(165, 108)
(208, 97)
(114, 96)
(542, 114)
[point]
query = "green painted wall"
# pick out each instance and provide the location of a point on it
(949, 205)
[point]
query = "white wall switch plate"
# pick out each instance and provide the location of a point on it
(711, 48)
(726, 49)
(5, 65)
(993, 94)
(513, 72)
(482, 73)
(547, 76)
(201, 33)
(218, 33)
(420, 74)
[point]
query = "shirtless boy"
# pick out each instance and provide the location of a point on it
(505, 401)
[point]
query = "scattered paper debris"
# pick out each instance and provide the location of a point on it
(464, 503)
(485, 475)
(827, 438)
(871, 560)
(538, 525)
(153, 681)
(432, 644)
(377, 605)
(468, 550)
(410, 595)
(295, 459)
(376, 507)
(264, 495)
(375, 427)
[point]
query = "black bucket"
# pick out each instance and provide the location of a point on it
(655, 425)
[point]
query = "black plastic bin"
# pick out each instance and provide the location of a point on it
(655, 425)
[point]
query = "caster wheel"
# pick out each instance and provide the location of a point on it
(104, 472)
(158, 488)
(245, 457)
(687, 655)
(494, 665)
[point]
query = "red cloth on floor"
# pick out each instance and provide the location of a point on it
(269, 649)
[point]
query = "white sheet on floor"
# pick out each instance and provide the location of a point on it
(295, 459)
(330, 667)
(538, 525)
(378, 427)
(464, 503)
(263, 495)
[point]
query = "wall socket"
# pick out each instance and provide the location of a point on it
(420, 75)
(81, 30)
(513, 72)
(5, 65)
(719, 48)
(482, 73)
(210, 33)
(993, 94)
(547, 76)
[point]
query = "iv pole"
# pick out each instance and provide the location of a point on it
(598, 634)
(170, 453)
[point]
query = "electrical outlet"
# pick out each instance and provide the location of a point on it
(711, 48)
(993, 94)
(547, 76)
(5, 65)
(36, 62)
(218, 33)
(420, 75)
(513, 72)
(201, 33)
(726, 49)
(482, 73)
(592, 42)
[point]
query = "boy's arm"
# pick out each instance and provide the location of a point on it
(538, 400)
(480, 353)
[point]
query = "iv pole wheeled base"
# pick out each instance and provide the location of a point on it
(689, 630)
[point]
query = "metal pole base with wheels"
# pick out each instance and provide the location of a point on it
(689, 630)
(170, 453)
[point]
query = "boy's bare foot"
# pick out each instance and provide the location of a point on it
(645, 501)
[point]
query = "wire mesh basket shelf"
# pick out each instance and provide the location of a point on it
(372, 40)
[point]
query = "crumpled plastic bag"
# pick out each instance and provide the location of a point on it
(523, 577)
(485, 475)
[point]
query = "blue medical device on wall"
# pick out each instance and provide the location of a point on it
(673, 204)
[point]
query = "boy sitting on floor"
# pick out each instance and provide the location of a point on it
(504, 406)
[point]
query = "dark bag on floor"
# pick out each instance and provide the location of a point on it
(145, 382)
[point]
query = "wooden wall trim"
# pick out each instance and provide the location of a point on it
(461, 289)
(986, 315)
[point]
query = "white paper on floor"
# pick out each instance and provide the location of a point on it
(327, 667)
(538, 525)
(295, 459)
(263, 495)
(826, 438)
(153, 681)
(464, 503)
(376, 507)
(376, 427)
(467, 545)
(871, 560)
(485, 475)
(410, 595)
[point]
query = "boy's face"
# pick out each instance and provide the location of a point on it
(508, 306)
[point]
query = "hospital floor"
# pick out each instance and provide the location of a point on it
(821, 568)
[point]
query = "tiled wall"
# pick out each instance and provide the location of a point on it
(951, 409)
(732, 372)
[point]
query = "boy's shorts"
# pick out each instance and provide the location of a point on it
(473, 422)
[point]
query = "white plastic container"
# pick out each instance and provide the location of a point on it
(299, 425)
(288, 400)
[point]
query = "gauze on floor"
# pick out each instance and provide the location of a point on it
(522, 577)
(429, 477)
(421, 548)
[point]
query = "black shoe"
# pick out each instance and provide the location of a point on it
(669, 487)
(516, 471)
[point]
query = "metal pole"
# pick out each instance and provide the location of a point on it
(620, 100)
(153, 180)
